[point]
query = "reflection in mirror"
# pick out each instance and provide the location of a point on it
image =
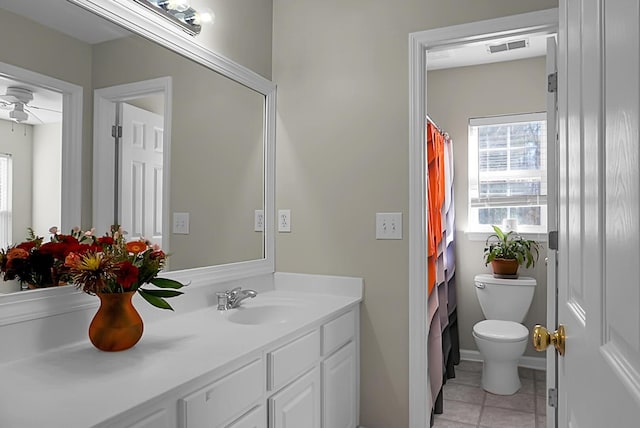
(213, 135)
(215, 153)
(30, 159)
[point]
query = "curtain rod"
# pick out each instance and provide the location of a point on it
(433, 122)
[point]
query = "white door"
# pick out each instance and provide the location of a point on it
(140, 193)
(599, 214)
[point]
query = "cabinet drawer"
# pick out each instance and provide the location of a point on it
(292, 359)
(337, 332)
(224, 399)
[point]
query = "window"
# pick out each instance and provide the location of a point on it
(5, 200)
(508, 172)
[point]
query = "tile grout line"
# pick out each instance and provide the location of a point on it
(484, 401)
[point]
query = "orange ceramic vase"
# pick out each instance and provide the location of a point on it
(117, 325)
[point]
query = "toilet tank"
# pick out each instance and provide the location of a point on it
(504, 299)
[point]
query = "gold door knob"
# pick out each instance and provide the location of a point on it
(542, 338)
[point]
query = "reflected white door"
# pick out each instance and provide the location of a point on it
(140, 193)
(599, 221)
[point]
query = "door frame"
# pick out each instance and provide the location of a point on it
(419, 44)
(71, 156)
(104, 154)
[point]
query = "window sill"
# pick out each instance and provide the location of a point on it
(481, 235)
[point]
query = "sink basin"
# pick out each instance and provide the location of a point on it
(267, 314)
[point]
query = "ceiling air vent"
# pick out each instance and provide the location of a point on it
(508, 46)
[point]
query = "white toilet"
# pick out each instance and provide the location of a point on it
(501, 339)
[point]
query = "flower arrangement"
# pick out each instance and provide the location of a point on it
(105, 264)
(39, 264)
(109, 264)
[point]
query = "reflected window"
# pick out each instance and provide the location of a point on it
(5, 200)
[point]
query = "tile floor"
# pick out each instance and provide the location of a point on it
(467, 405)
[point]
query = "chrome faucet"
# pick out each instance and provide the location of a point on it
(231, 299)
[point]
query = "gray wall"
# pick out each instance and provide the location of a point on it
(342, 155)
(455, 95)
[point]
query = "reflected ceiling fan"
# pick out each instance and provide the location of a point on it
(17, 100)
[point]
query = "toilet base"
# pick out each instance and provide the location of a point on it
(501, 377)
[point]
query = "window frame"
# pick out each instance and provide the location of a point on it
(474, 202)
(8, 194)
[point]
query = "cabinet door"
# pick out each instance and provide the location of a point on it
(339, 389)
(256, 418)
(297, 405)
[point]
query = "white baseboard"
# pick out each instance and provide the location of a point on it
(538, 363)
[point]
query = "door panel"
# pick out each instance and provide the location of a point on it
(599, 254)
(621, 320)
(141, 173)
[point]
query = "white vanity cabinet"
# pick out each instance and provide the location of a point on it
(325, 396)
(311, 382)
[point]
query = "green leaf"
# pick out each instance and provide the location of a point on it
(158, 302)
(162, 293)
(166, 283)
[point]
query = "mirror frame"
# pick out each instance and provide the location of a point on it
(20, 307)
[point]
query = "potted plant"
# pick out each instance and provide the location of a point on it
(114, 270)
(507, 251)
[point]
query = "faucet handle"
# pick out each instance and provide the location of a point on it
(233, 291)
(223, 300)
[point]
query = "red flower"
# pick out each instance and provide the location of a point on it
(158, 254)
(126, 274)
(56, 249)
(27, 246)
(66, 239)
(105, 240)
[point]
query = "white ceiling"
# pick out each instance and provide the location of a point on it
(68, 19)
(478, 52)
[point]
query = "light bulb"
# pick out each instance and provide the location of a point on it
(204, 16)
(179, 5)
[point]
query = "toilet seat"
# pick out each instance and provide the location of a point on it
(500, 331)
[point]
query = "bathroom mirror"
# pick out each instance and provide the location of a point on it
(221, 123)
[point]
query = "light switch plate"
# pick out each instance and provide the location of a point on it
(388, 225)
(181, 223)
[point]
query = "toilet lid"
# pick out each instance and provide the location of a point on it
(501, 331)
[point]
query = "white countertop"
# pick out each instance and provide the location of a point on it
(80, 386)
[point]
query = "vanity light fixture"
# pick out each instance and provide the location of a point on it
(181, 13)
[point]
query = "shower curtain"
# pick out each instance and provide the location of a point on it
(443, 344)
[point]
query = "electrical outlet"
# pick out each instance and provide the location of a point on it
(284, 220)
(258, 221)
(181, 223)
(388, 225)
